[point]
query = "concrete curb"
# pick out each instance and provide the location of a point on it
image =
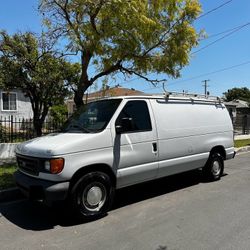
(4, 161)
(7, 150)
(10, 194)
(242, 149)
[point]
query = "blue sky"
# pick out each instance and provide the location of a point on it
(16, 15)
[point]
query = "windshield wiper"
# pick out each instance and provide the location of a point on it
(77, 126)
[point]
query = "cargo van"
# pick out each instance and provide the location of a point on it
(117, 142)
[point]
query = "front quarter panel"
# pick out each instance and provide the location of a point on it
(102, 154)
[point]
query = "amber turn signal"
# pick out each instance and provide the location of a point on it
(56, 165)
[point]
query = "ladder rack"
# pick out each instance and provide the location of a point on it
(192, 97)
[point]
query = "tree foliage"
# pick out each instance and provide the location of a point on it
(58, 114)
(29, 63)
(238, 93)
(128, 36)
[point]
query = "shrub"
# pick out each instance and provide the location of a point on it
(3, 134)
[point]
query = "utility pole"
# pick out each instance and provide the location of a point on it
(206, 86)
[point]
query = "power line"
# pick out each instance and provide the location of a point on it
(222, 32)
(214, 9)
(233, 30)
(217, 40)
(202, 75)
(195, 77)
(205, 14)
(211, 73)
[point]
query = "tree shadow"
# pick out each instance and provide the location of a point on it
(38, 217)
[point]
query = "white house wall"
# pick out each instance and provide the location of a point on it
(24, 109)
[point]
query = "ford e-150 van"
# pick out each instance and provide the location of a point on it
(116, 142)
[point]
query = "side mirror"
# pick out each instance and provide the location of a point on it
(124, 126)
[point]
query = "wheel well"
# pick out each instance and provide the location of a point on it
(220, 150)
(92, 168)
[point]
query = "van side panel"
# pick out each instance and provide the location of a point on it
(187, 131)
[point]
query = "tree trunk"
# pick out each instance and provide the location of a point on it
(38, 124)
(39, 118)
(79, 93)
(84, 82)
(78, 98)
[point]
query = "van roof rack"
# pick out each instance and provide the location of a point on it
(192, 96)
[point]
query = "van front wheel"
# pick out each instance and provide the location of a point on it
(214, 167)
(92, 195)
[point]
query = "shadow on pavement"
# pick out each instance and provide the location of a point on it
(155, 188)
(37, 217)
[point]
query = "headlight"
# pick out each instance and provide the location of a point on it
(54, 166)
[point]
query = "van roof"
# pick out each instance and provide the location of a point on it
(173, 97)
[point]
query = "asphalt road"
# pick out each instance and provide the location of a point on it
(180, 212)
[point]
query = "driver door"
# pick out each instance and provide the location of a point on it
(136, 149)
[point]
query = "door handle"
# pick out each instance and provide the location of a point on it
(154, 144)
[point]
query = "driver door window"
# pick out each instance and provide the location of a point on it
(138, 111)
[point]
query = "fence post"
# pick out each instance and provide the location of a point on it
(11, 128)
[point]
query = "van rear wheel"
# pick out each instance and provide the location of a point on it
(92, 195)
(214, 167)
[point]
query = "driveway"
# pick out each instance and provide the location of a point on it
(179, 212)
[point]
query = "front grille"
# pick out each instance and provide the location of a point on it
(28, 165)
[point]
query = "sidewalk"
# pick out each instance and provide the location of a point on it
(241, 137)
(7, 161)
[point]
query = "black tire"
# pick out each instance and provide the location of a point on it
(92, 196)
(214, 167)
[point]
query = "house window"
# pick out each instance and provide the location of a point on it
(9, 101)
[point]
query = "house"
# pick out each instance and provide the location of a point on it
(242, 107)
(241, 111)
(231, 107)
(238, 107)
(14, 103)
(108, 92)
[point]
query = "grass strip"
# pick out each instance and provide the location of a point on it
(6, 176)
(242, 143)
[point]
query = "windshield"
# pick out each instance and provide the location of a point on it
(93, 117)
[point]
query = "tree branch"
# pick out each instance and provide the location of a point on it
(94, 15)
(110, 70)
(67, 54)
(67, 18)
(162, 39)
(131, 72)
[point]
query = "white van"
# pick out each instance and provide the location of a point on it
(117, 142)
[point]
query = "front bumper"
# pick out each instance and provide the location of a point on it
(37, 189)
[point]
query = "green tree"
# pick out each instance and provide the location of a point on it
(238, 93)
(58, 114)
(131, 36)
(29, 63)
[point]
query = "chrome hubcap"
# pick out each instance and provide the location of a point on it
(94, 197)
(216, 168)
